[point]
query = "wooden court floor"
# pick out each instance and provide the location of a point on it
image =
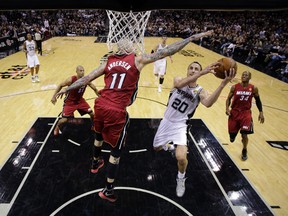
(22, 102)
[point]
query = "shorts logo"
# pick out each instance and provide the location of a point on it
(16, 72)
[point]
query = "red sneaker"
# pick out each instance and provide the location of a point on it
(96, 165)
(108, 195)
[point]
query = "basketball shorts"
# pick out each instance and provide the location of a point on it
(112, 123)
(70, 107)
(240, 121)
(160, 67)
(32, 61)
(170, 131)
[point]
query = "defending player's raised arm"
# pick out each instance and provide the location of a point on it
(84, 80)
(169, 50)
(67, 82)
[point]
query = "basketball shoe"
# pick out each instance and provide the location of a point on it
(180, 188)
(244, 154)
(108, 194)
(37, 78)
(57, 131)
(96, 165)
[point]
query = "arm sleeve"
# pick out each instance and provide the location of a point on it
(258, 103)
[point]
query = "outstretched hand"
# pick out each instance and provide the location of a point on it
(210, 68)
(61, 93)
(53, 100)
(230, 76)
(202, 34)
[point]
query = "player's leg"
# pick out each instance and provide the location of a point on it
(37, 66)
(155, 70)
(97, 161)
(57, 130)
(84, 108)
(233, 127)
(30, 65)
(112, 168)
(114, 133)
(246, 128)
(182, 163)
(161, 72)
(67, 112)
(245, 144)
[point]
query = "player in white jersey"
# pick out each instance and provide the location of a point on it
(183, 101)
(33, 63)
(161, 64)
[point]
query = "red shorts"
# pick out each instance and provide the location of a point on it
(240, 120)
(112, 123)
(70, 107)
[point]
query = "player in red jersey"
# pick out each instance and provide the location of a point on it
(121, 75)
(74, 100)
(240, 115)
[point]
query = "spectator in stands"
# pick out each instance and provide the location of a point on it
(252, 55)
(38, 38)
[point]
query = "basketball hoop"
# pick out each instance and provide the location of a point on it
(128, 26)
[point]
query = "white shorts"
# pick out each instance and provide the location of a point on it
(32, 61)
(160, 67)
(170, 131)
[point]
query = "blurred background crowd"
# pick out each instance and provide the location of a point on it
(254, 38)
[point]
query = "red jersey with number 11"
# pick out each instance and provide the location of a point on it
(121, 81)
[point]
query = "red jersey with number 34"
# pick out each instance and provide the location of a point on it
(121, 81)
(242, 97)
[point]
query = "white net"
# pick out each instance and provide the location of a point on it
(127, 27)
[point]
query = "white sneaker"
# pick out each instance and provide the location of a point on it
(37, 78)
(159, 89)
(33, 79)
(180, 188)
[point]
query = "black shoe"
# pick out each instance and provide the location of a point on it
(244, 154)
(232, 139)
(108, 195)
(96, 165)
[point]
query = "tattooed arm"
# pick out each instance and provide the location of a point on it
(171, 49)
(84, 80)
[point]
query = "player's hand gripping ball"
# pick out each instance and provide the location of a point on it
(224, 65)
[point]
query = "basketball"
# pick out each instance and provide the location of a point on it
(224, 65)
